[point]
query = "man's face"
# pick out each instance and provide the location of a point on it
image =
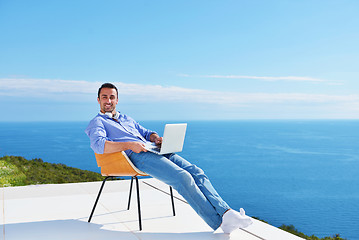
(108, 100)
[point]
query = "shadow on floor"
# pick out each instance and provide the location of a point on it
(77, 230)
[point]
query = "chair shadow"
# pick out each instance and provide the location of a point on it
(124, 221)
(76, 230)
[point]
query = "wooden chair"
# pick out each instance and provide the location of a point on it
(118, 165)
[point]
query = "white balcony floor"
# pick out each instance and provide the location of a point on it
(61, 211)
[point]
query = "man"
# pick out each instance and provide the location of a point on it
(111, 131)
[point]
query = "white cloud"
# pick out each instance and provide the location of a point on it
(199, 103)
(157, 93)
(268, 78)
(41, 86)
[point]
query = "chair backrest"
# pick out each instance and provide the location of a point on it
(117, 164)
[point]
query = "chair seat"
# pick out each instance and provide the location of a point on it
(117, 164)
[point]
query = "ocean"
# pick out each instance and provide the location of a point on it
(299, 172)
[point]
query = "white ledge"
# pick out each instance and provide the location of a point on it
(61, 211)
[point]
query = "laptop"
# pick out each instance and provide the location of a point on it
(173, 139)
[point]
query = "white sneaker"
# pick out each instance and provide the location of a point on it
(233, 220)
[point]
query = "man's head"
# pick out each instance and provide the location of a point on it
(107, 97)
(107, 85)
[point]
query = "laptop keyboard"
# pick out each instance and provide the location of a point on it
(153, 147)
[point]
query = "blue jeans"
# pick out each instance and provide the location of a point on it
(188, 180)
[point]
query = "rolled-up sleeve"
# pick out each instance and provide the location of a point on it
(97, 134)
(146, 133)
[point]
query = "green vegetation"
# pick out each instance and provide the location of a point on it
(17, 171)
(291, 229)
(294, 231)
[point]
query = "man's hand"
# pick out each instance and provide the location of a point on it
(156, 139)
(137, 147)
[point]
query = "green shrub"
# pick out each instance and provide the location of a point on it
(293, 230)
(17, 171)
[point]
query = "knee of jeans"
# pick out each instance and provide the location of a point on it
(193, 169)
(197, 173)
(185, 180)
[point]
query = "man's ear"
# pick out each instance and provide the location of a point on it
(98, 100)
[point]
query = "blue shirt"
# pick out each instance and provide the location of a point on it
(103, 128)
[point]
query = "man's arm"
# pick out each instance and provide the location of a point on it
(100, 143)
(111, 147)
(137, 147)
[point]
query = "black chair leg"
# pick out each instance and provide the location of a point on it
(98, 197)
(173, 203)
(138, 200)
(129, 200)
(129, 196)
(138, 204)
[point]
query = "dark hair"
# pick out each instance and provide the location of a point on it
(107, 85)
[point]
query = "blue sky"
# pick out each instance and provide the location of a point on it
(180, 60)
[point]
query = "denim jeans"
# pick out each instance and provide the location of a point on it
(188, 180)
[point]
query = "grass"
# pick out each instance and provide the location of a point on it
(17, 171)
(291, 229)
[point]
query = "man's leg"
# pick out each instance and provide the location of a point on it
(166, 170)
(202, 182)
(231, 220)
